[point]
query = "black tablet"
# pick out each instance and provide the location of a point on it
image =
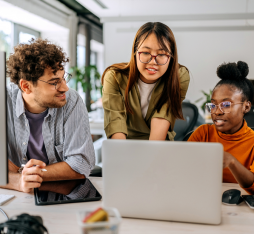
(67, 191)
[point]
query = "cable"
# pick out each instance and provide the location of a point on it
(4, 214)
(23, 224)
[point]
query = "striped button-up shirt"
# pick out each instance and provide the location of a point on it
(65, 131)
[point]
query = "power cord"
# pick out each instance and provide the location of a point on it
(23, 224)
(4, 214)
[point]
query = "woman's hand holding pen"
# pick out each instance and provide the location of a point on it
(31, 176)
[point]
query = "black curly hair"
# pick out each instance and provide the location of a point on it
(29, 61)
(235, 74)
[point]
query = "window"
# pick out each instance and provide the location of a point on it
(81, 56)
(12, 34)
(96, 56)
(93, 58)
(6, 36)
(23, 34)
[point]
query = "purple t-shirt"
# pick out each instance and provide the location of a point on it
(36, 148)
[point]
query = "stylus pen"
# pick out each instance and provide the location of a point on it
(23, 165)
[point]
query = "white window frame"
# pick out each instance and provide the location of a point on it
(20, 28)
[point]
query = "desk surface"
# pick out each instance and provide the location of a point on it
(62, 218)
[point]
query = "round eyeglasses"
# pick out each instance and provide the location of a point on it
(160, 59)
(225, 107)
(58, 82)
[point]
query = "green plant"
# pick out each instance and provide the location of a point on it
(84, 76)
(206, 98)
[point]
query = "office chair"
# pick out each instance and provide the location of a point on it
(249, 117)
(187, 136)
(182, 127)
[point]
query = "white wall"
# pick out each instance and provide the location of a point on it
(200, 51)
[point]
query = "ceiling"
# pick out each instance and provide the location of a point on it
(117, 8)
(175, 10)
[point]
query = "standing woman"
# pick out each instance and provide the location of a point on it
(143, 98)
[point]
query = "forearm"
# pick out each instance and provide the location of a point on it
(62, 187)
(159, 129)
(157, 136)
(14, 177)
(243, 176)
(119, 135)
(14, 182)
(60, 171)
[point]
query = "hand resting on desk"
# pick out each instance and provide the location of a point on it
(32, 176)
(243, 176)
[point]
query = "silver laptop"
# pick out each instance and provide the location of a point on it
(174, 181)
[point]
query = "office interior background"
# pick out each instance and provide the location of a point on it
(97, 33)
(207, 32)
(101, 32)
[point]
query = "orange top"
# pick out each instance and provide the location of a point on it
(239, 144)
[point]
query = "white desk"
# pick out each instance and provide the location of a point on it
(62, 218)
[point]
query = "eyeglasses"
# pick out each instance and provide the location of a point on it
(225, 107)
(58, 83)
(160, 59)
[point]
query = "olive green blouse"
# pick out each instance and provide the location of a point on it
(134, 126)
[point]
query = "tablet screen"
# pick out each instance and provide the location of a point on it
(58, 192)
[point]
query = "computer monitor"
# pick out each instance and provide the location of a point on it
(3, 127)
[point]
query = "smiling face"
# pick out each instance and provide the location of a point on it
(44, 95)
(229, 123)
(151, 72)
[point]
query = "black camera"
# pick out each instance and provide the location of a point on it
(23, 224)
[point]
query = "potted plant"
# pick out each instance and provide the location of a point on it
(206, 99)
(84, 75)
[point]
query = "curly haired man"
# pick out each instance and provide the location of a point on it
(48, 124)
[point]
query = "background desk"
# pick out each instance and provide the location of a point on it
(96, 121)
(62, 218)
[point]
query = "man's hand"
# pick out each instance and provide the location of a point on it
(31, 176)
(228, 159)
(12, 167)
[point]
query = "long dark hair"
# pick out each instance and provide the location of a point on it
(171, 93)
